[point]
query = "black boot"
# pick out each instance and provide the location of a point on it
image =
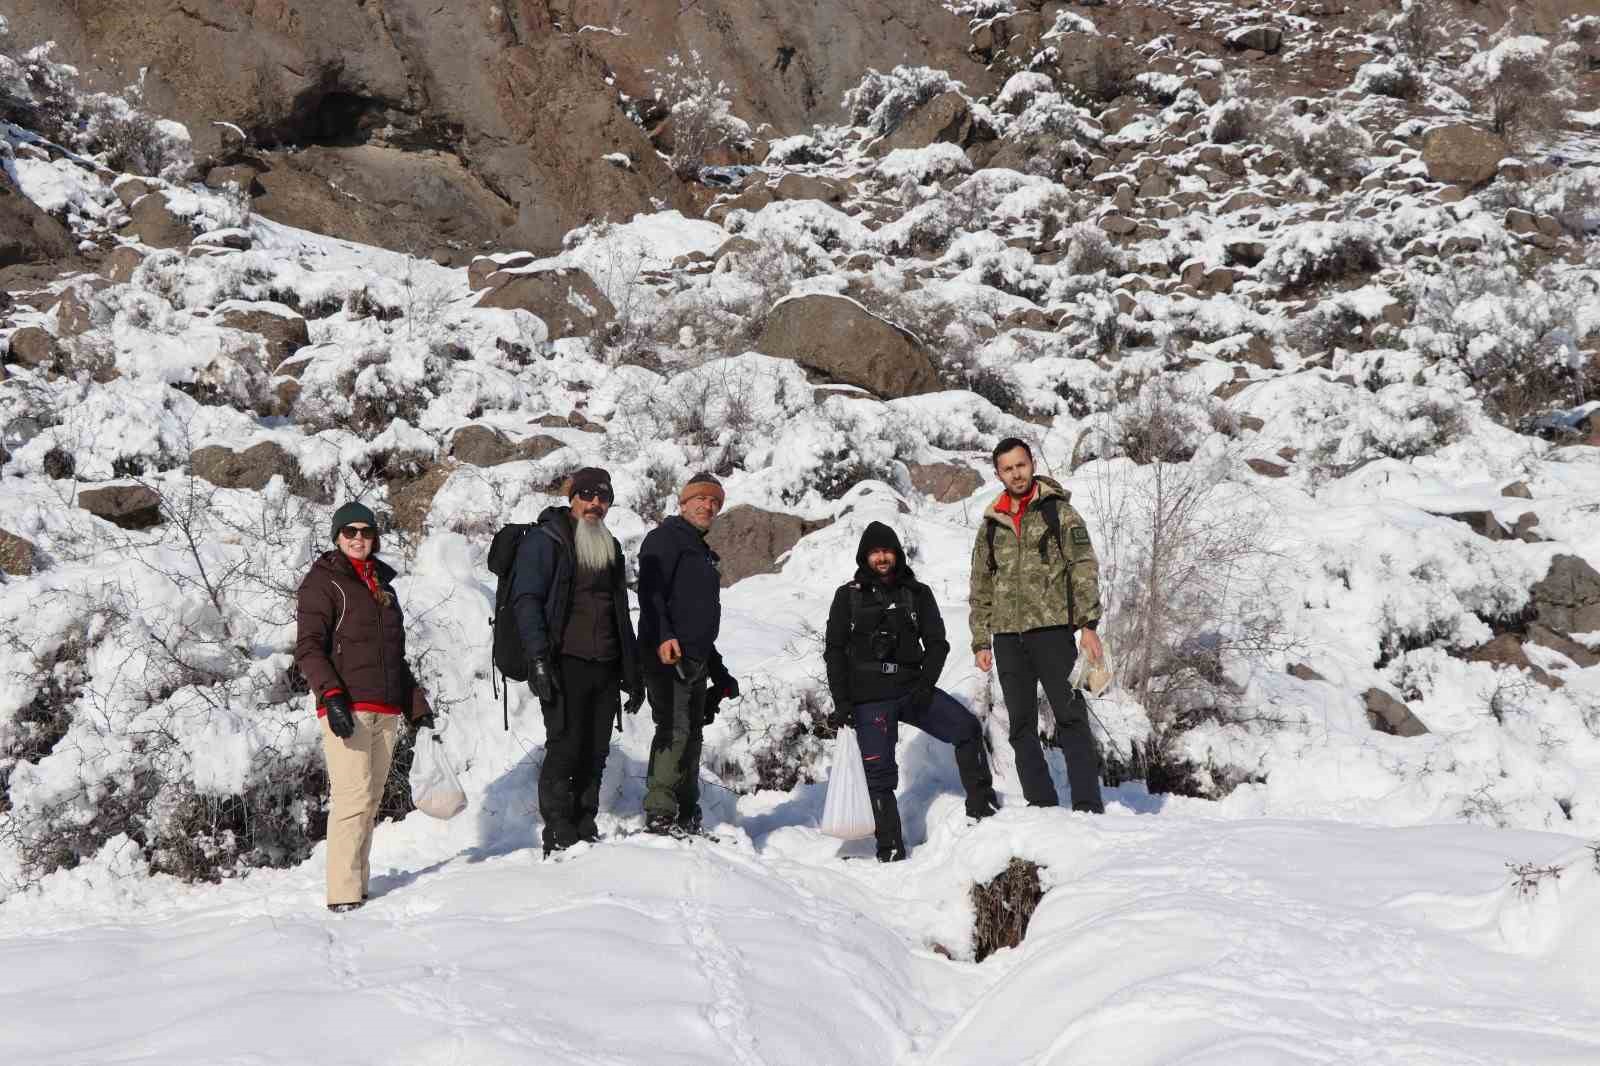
(886, 826)
(972, 763)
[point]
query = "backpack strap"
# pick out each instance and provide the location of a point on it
(988, 534)
(1050, 508)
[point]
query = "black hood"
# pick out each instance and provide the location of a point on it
(878, 535)
(558, 521)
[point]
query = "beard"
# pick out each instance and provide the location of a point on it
(593, 545)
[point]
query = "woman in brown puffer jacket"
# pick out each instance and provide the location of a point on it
(350, 646)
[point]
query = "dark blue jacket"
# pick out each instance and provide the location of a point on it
(680, 592)
(541, 592)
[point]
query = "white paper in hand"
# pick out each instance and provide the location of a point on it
(434, 787)
(847, 812)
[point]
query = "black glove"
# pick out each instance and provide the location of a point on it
(840, 717)
(341, 717)
(425, 722)
(713, 705)
(635, 701)
(542, 679)
(725, 687)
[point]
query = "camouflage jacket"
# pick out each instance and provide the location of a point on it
(1028, 587)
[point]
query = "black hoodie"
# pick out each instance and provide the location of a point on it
(867, 604)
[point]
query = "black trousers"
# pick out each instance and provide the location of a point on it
(1024, 662)
(577, 740)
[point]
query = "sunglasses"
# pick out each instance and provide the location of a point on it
(603, 495)
(352, 532)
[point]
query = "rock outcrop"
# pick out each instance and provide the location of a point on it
(848, 343)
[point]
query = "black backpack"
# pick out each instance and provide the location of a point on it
(508, 656)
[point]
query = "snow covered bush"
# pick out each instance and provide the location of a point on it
(1329, 145)
(1315, 252)
(1053, 134)
(1397, 78)
(701, 110)
(1520, 87)
(43, 96)
(1422, 29)
(1515, 339)
(1233, 118)
(881, 102)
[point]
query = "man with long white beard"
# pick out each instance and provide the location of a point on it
(570, 599)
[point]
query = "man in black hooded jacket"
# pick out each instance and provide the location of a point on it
(885, 650)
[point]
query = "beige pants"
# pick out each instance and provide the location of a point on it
(358, 765)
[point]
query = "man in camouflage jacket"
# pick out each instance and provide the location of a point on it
(1035, 582)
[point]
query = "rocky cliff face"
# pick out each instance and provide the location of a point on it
(503, 108)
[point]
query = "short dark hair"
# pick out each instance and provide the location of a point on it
(1010, 444)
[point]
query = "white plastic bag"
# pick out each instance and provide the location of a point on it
(434, 787)
(847, 812)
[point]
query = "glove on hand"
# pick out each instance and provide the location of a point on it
(635, 701)
(840, 717)
(341, 716)
(424, 722)
(725, 687)
(713, 705)
(542, 679)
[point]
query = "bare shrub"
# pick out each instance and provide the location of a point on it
(1398, 78)
(1528, 877)
(701, 112)
(1327, 144)
(1003, 907)
(1422, 29)
(656, 496)
(1315, 252)
(1186, 563)
(1521, 88)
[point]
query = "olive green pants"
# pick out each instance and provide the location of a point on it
(672, 787)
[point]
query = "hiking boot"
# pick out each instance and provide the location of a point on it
(663, 825)
(1089, 808)
(345, 908)
(886, 827)
(972, 764)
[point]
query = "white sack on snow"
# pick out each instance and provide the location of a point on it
(434, 787)
(847, 812)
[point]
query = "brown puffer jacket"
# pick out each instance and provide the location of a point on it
(345, 639)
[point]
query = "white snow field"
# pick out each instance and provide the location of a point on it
(1162, 939)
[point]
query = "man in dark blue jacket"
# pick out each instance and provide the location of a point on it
(680, 613)
(570, 599)
(885, 649)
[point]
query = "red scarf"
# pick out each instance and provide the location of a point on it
(1004, 505)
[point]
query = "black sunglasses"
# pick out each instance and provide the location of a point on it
(603, 495)
(352, 532)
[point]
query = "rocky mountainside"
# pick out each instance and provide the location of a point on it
(1296, 298)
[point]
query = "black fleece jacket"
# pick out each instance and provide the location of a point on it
(919, 647)
(680, 593)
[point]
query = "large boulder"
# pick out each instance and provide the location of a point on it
(32, 346)
(413, 500)
(16, 554)
(27, 234)
(1388, 715)
(750, 540)
(1259, 38)
(945, 482)
(1567, 598)
(283, 330)
(411, 200)
(128, 506)
(567, 300)
(252, 468)
(1462, 155)
(483, 446)
(945, 118)
(838, 337)
(151, 222)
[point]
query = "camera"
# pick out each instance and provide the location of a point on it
(883, 644)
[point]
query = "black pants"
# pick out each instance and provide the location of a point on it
(1024, 661)
(577, 740)
(678, 708)
(878, 730)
